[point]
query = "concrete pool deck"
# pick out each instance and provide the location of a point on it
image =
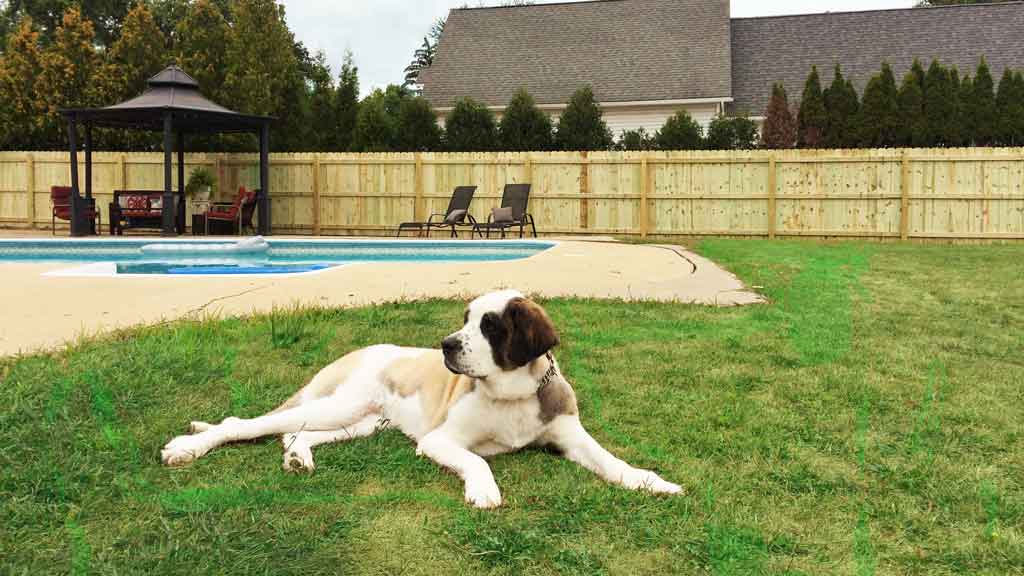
(40, 312)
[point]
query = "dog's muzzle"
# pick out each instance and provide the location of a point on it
(451, 347)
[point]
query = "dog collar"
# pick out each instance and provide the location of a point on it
(550, 374)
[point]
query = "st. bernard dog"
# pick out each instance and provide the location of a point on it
(494, 387)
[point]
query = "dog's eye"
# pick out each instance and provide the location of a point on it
(487, 322)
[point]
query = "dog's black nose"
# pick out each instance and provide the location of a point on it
(451, 345)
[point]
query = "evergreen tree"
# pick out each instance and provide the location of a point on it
(841, 106)
(680, 132)
(376, 128)
(138, 53)
(879, 119)
(200, 49)
(779, 129)
(470, 127)
(321, 105)
(1010, 106)
(262, 70)
(940, 106)
(23, 109)
(67, 69)
(525, 127)
(346, 105)
(984, 118)
(417, 126)
(963, 94)
(918, 70)
(913, 125)
(581, 125)
(812, 118)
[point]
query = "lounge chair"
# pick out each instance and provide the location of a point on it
(456, 215)
(235, 216)
(512, 213)
(60, 199)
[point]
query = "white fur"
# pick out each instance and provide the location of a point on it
(501, 414)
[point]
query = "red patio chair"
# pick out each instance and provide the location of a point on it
(60, 198)
(237, 214)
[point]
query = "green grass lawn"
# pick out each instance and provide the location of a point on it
(867, 421)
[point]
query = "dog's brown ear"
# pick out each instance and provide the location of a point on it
(532, 333)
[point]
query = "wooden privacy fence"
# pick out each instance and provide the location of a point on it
(891, 193)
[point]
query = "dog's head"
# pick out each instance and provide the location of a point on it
(503, 331)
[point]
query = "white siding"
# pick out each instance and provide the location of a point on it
(650, 118)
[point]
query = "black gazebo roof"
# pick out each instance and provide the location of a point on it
(174, 91)
(173, 105)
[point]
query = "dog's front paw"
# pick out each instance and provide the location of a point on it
(483, 494)
(646, 480)
(182, 450)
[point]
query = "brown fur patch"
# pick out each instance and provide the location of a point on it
(530, 332)
(556, 399)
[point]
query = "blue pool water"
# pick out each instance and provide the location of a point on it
(125, 256)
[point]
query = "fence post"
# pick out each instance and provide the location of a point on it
(316, 194)
(218, 169)
(30, 190)
(584, 190)
(418, 206)
(772, 184)
(644, 191)
(904, 196)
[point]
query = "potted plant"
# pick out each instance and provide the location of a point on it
(201, 183)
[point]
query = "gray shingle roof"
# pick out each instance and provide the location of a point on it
(766, 50)
(627, 50)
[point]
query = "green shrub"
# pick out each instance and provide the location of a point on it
(731, 133)
(636, 140)
(680, 132)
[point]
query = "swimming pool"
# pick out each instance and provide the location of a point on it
(126, 256)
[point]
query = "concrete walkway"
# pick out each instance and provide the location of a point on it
(44, 312)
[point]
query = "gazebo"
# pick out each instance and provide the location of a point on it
(173, 105)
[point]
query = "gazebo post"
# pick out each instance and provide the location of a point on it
(73, 146)
(167, 209)
(88, 173)
(264, 197)
(179, 216)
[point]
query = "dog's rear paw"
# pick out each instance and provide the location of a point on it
(181, 451)
(297, 462)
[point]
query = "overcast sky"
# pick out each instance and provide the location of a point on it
(383, 34)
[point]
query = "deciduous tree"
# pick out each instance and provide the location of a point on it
(779, 129)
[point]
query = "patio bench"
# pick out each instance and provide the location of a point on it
(139, 209)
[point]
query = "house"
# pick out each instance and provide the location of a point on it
(647, 59)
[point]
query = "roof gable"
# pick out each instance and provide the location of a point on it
(628, 50)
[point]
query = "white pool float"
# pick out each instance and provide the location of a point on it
(255, 245)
